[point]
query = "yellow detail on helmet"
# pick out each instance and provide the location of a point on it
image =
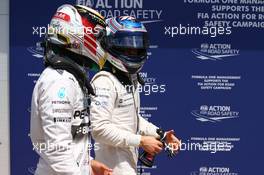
(91, 10)
(102, 61)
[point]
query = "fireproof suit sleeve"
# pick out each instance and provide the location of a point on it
(56, 107)
(101, 112)
(146, 128)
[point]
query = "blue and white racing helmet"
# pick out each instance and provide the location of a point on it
(127, 43)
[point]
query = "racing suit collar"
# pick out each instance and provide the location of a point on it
(79, 72)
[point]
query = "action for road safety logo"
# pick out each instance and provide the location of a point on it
(214, 114)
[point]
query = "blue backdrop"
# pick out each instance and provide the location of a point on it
(204, 84)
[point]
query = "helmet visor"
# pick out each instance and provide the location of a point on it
(130, 44)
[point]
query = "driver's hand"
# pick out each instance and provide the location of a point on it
(172, 141)
(151, 145)
(99, 168)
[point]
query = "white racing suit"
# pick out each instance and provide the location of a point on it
(60, 124)
(116, 124)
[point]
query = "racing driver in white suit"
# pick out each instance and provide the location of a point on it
(60, 105)
(116, 123)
